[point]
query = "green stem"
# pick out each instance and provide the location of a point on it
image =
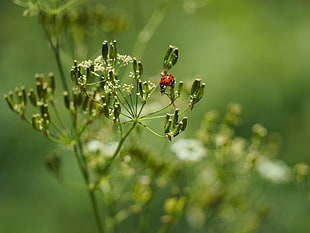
(96, 210)
(79, 153)
(60, 68)
(152, 131)
(120, 144)
(152, 113)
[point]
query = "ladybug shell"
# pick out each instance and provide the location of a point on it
(166, 80)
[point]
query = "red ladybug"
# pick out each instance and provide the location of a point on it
(166, 80)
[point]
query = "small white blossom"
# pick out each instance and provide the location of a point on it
(275, 171)
(97, 146)
(94, 146)
(86, 64)
(189, 149)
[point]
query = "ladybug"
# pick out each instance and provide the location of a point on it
(166, 80)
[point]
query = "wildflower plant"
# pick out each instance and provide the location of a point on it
(102, 94)
(205, 180)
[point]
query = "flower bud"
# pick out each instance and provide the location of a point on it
(140, 88)
(36, 122)
(167, 54)
(195, 86)
(177, 129)
(167, 126)
(51, 82)
(112, 50)
(201, 91)
(67, 100)
(146, 87)
(170, 58)
(134, 65)
(140, 68)
(174, 56)
(10, 102)
(40, 78)
(74, 77)
(180, 87)
(117, 111)
(105, 50)
(20, 96)
(167, 118)
(24, 95)
(106, 110)
(44, 112)
(175, 117)
(184, 123)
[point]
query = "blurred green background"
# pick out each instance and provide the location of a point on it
(254, 52)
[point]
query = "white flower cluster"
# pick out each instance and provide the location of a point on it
(275, 171)
(97, 146)
(189, 149)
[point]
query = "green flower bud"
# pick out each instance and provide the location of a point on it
(200, 92)
(180, 87)
(140, 68)
(74, 77)
(106, 110)
(20, 96)
(112, 50)
(42, 90)
(44, 112)
(24, 95)
(36, 122)
(184, 123)
(88, 75)
(167, 118)
(146, 87)
(175, 117)
(195, 86)
(174, 56)
(10, 102)
(52, 82)
(40, 78)
(134, 65)
(117, 111)
(67, 100)
(167, 54)
(105, 50)
(140, 88)
(170, 58)
(167, 126)
(177, 129)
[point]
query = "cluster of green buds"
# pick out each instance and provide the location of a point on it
(173, 126)
(76, 102)
(196, 93)
(99, 80)
(101, 91)
(40, 99)
(170, 58)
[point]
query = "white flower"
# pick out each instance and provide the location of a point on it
(96, 146)
(189, 149)
(275, 171)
